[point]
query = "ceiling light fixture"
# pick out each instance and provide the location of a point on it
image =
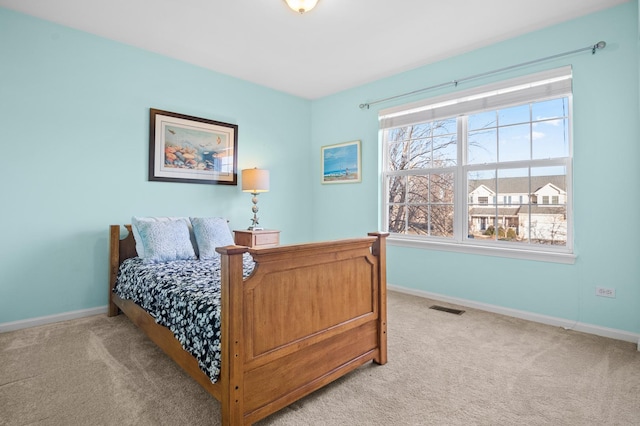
(301, 6)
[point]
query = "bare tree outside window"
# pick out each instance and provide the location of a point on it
(421, 202)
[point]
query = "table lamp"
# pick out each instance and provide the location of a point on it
(255, 181)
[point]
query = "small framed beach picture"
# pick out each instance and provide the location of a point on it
(190, 149)
(342, 163)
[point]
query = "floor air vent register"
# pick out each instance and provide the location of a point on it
(449, 310)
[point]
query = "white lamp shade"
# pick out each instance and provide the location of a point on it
(255, 180)
(302, 6)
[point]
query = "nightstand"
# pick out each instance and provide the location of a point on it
(256, 239)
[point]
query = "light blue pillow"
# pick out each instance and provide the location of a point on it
(135, 220)
(165, 241)
(211, 232)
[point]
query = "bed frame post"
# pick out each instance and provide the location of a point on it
(231, 330)
(119, 250)
(114, 264)
(379, 249)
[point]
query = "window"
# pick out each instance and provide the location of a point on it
(469, 170)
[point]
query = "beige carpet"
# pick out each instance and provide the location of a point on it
(475, 369)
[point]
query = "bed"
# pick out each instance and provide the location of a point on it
(336, 290)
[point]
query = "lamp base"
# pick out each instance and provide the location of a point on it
(255, 228)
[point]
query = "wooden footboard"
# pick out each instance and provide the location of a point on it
(308, 314)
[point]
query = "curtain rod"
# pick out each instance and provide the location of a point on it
(593, 48)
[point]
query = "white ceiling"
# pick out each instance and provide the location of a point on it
(338, 45)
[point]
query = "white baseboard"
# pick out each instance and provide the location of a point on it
(544, 319)
(34, 322)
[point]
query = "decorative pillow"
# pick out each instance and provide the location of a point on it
(136, 233)
(211, 232)
(164, 241)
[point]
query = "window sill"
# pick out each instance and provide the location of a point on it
(508, 252)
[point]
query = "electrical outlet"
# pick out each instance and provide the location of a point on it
(606, 292)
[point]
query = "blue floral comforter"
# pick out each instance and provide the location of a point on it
(183, 295)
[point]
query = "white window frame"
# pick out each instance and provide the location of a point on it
(532, 88)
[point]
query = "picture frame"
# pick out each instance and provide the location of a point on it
(341, 163)
(190, 149)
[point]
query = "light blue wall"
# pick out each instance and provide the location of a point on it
(74, 119)
(606, 177)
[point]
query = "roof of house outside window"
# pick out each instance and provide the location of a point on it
(519, 185)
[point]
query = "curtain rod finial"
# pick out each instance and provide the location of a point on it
(598, 46)
(363, 106)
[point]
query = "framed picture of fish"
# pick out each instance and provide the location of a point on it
(342, 163)
(190, 149)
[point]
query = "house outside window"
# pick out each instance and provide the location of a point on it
(447, 162)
